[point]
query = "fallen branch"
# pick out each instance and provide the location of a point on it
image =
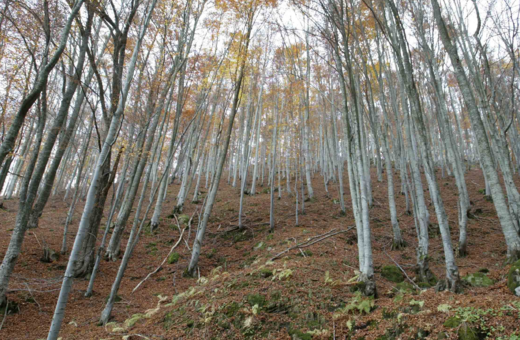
(162, 263)
(312, 241)
(404, 272)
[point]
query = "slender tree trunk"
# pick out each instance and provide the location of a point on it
(91, 197)
(273, 168)
(41, 81)
(210, 200)
(499, 200)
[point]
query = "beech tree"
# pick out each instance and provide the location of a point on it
(137, 112)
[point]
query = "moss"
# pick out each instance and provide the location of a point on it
(186, 274)
(404, 287)
(513, 277)
(452, 322)
(478, 280)
(265, 272)
(433, 230)
(173, 258)
(256, 299)
(238, 235)
(183, 219)
(358, 287)
(424, 285)
(392, 273)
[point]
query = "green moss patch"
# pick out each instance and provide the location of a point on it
(478, 279)
(265, 272)
(173, 258)
(183, 219)
(392, 273)
(452, 322)
(404, 287)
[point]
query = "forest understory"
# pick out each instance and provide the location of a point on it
(241, 292)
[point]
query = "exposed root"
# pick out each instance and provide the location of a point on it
(398, 244)
(462, 250)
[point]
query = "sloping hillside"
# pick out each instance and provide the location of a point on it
(246, 289)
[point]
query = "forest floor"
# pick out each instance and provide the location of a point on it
(240, 293)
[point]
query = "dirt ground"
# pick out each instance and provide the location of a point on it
(241, 294)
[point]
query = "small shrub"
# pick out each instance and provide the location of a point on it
(359, 303)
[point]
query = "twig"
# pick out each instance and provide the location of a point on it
(37, 240)
(5, 314)
(177, 221)
(162, 263)
(34, 290)
(30, 292)
(189, 227)
(310, 241)
(187, 245)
